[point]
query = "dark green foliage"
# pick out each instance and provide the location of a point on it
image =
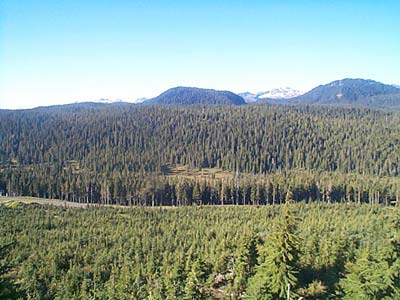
(368, 278)
(7, 286)
(245, 263)
(202, 252)
(121, 154)
(190, 96)
(374, 273)
(277, 272)
(196, 280)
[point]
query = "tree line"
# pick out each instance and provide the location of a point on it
(159, 190)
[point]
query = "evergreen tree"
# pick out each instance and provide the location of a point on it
(278, 266)
(195, 283)
(368, 278)
(7, 287)
(244, 265)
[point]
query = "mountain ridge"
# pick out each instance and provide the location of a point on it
(275, 93)
(192, 95)
(348, 92)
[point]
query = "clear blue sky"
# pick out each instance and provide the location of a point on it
(54, 51)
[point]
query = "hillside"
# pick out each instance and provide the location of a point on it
(190, 96)
(391, 102)
(355, 92)
(139, 154)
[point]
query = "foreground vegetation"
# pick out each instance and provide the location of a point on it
(337, 251)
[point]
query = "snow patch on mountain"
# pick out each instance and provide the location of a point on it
(280, 93)
(248, 97)
(140, 100)
(110, 101)
(107, 101)
(277, 93)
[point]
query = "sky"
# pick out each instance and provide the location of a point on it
(55, 52)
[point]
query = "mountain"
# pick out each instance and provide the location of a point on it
(190, 95)
(78, 106)
(277, 93)
(140, 100)
(248, 97)
(106, 101)
(349, 92)
(280, 93)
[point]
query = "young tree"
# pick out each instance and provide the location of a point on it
(195, 283)
(368, 278)
(7, 288)
(244, 265)
(278, 266)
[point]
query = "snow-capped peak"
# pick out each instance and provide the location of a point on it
(140, 100)
(248, 97)
(280, 93)
(110, 101)
(107, 101)
(277, 93)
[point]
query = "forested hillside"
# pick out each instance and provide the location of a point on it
(190, 95)
(347, 90)
(129, 154)
(351, 92)
(337, 251)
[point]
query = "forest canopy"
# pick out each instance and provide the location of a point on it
(323, 251)
(130, 154)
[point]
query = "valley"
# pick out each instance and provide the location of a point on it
(199, 150)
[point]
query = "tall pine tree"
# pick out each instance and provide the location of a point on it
(278, 266)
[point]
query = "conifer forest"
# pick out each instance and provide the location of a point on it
(253, 201)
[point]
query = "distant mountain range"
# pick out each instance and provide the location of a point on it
(347, 92)
(277, 93)
(109, 101)
(189, 95)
